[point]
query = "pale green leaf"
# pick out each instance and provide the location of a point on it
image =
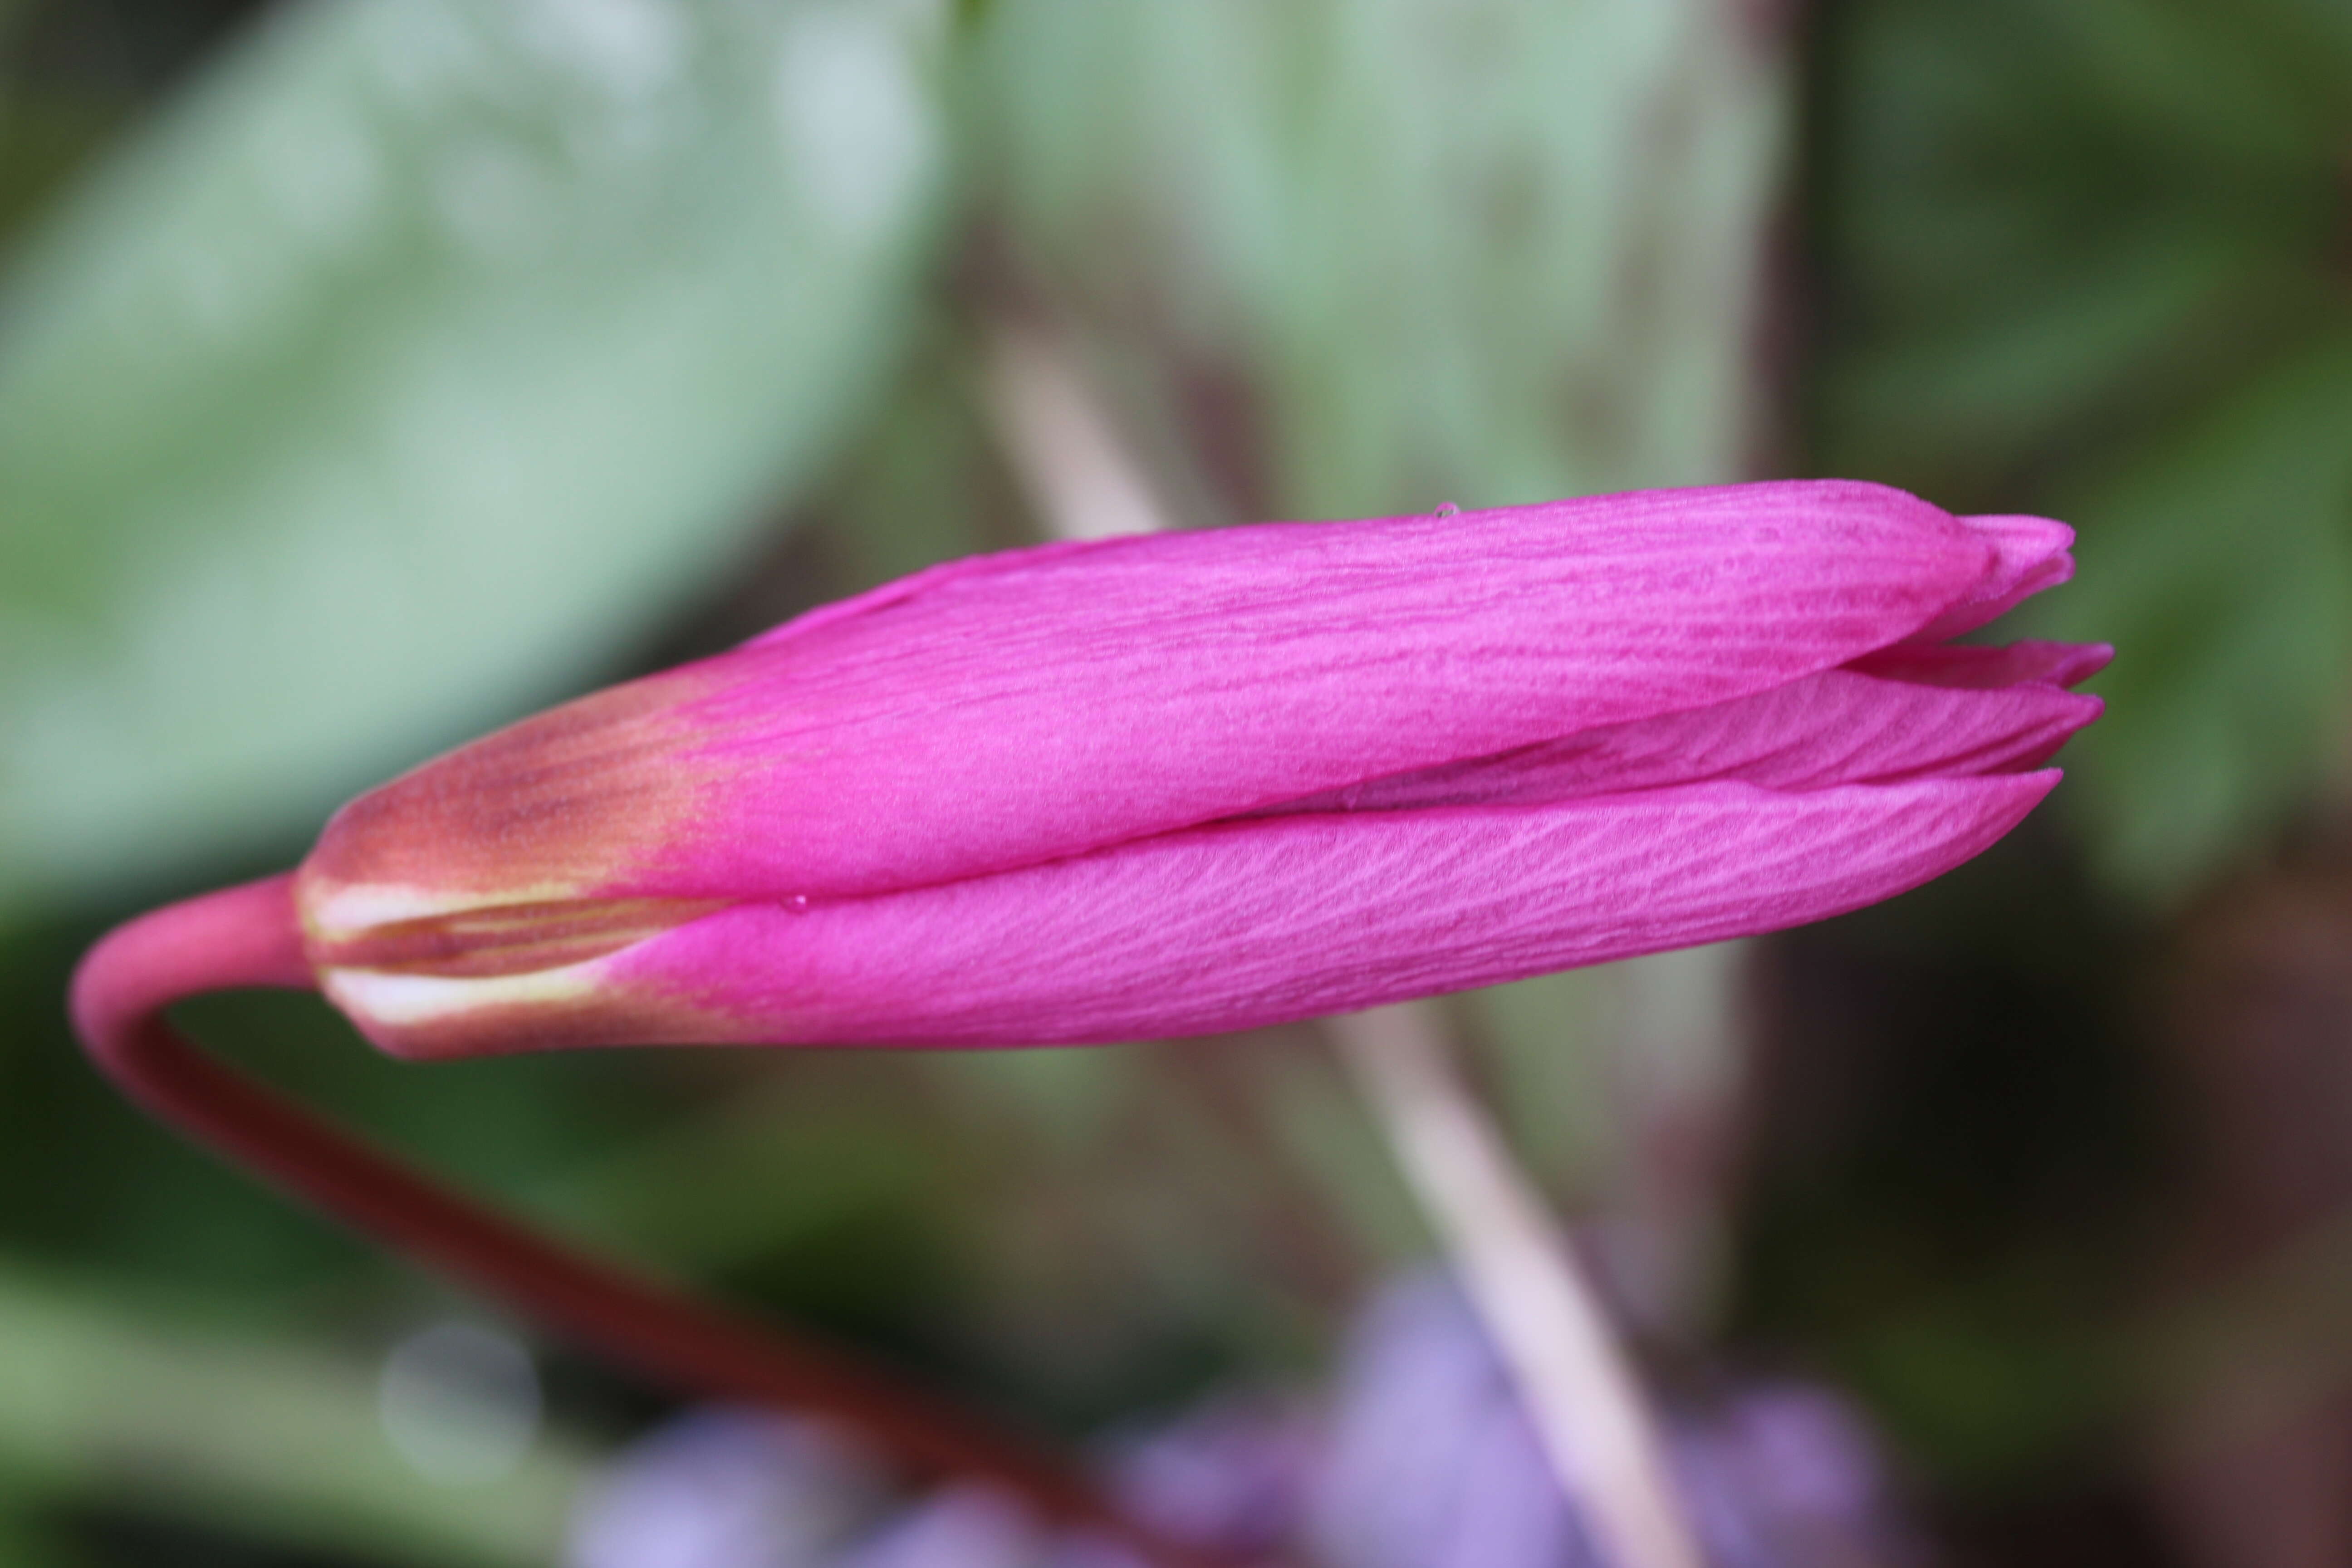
(281, 1442)
(1482, 252)
(408, 370)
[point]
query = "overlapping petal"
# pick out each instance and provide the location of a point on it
(1195, 782)
(2029, 553)
(1984, 666)
(1837, 727)
(999, 713)
(1233, 924)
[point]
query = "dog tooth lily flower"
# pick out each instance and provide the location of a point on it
(1145, 786)
(1189, 782)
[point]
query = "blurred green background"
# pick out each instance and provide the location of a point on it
(373, 371)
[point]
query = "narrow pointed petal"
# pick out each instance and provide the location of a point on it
(1837, 727)
(1985, 665)
(1241, 924)
(2029, 555)
(1230, 926)
(971, 725)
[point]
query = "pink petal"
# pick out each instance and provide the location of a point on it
(2029, 554)
(1984, 666)
(1242, 924)
(1232, 926)
(1021, 708)
(1837, 727)
(1004, 712)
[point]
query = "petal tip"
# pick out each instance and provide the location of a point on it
(2089, 659)
(2028, 555)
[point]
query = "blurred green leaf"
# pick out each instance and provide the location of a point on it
(2222, 564)
(1550, 1075)
(284, 1442)
(1482, 251)
(411, 368)
(926, 482)
(44, 138)
(1982, 1388)
(26, 1541)
(2091, 257)
(750, 1175)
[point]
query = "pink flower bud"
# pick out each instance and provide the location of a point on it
(1192, 783)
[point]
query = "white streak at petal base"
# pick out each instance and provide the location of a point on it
(342, 912)
(378, 999)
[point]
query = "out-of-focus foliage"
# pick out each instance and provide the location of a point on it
(243, 1433)
(407, 371)
(2096, 256)
(1397, 253)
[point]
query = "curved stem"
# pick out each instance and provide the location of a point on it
(248, 936)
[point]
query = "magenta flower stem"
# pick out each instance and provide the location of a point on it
(248, 936)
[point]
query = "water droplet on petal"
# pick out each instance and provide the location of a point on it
(798, 903)
(1449, 508)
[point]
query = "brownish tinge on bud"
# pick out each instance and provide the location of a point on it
(560, 807)
(507, 938)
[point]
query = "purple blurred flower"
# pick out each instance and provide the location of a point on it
(1230, 1475)
(1425, 1458)
(1431, 1462)
(1786, 1476)
(975, 1527)
(958, 1526)
(723, 1489)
